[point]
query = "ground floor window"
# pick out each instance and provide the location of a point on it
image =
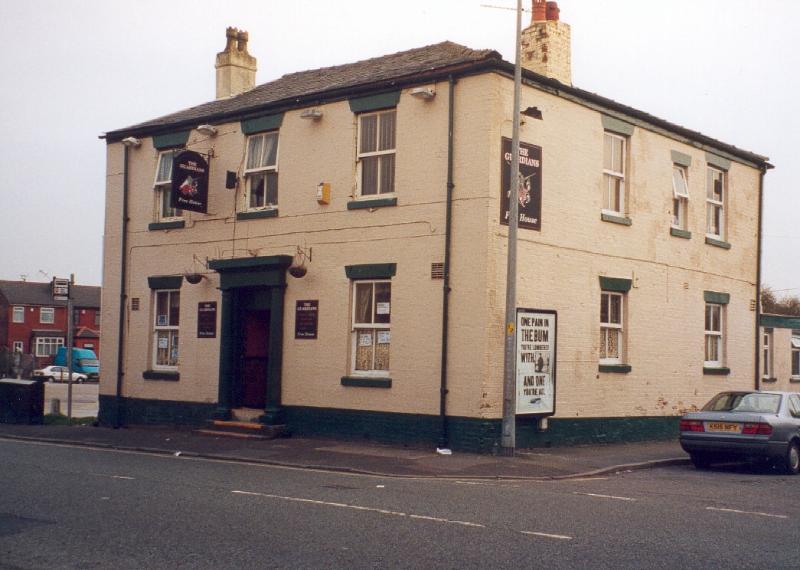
(372, 302)
(48, 345)
(796, 354)
(18, 346)
(713, 333)
(165, 328)
(611, 328)
(767, 354)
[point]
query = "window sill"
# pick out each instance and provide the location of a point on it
(677, 232)
(794, 379)
(615, 368)
(167, 375)
(255, 214)
(716, 371)
(769, 380)
(173, 225)
(364, 382)
(717, 242)
(374, 203)
(616, 219)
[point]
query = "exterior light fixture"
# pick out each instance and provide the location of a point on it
(533, 113)
(424, 93)
(132, 142)
(313, 114)
(208, 130)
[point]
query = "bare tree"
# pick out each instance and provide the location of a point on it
(779, 305)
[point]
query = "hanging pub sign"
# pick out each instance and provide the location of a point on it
(306, 318)
(189, 182)
(530, 188)
(207, 319)
(536, 362)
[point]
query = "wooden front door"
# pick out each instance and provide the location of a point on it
(254, 359)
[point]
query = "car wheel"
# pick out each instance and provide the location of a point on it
(700, 460)
(50, 378)
(792, 460)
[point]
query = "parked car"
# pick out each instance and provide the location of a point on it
(59, 374)
(83, 361)
(753, 425)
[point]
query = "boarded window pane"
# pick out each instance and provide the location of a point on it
(387, 173)
(369, 175)
(387, 131)
(369, 133)
(363, 308)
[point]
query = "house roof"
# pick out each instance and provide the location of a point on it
(415, 66)
(33, 293)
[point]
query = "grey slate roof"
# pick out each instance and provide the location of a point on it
(33, 293)
(305, 88)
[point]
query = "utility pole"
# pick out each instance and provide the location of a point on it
(509, 436)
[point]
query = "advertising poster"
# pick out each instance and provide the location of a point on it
(189, 182)
(536, 362)
(207, 319)
(306, 318)
(530, 189)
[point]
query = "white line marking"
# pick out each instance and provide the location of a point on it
(357, 508)
(547, 535)
(605, 496)
(747, 513)
(113, 476)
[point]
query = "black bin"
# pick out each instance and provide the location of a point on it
(21, 401)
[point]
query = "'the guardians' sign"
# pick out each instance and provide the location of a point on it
(530, 188)
(536, 362)
(189, 182)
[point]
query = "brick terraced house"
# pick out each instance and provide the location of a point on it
(344, 270)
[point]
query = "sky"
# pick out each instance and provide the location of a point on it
(72, 70)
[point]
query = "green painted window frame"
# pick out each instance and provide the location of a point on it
(164, 375)
(716, 298)
(718, 243)
(615, 284)
(373, 203)
(681, 159)
(615, 368)
(374, 102)
(677, 232)
(256, 125)
(165, 281)
(171, 140)
(365, 382)
(257, 214)
(371, 271)
(617, 126)
(614, 219)
(171, 225)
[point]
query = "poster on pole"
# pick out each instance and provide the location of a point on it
(536, 361)
(530, 188)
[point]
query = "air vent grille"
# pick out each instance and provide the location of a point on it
(134, 303)
(437, 270)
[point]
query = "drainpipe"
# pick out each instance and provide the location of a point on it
(444, 438)
(122, 295)
(758, 276)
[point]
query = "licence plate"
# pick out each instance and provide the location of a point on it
(724, 427)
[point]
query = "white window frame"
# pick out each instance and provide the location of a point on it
(47, 311)
(795, 343)
(162, 188)
(609, 175)
(18, 310)
(47, 345)
(173, 330)
(360, 156)
(607, 327)
(712, 204)
(18, 346)
(374, 327)
(766, 354)
(718, 335)
(680, 197)
(261, 168)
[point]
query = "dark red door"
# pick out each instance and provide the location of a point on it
(255, 351)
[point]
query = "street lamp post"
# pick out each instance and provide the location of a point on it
(508, 437)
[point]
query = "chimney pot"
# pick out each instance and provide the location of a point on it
(552, 11)
(236, 68)
(539, 11)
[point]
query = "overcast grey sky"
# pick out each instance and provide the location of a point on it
(72, 70)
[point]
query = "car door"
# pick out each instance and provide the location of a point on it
(794, 412)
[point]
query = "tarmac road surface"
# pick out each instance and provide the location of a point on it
(72, 507)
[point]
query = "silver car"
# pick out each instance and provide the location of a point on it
(745, 425)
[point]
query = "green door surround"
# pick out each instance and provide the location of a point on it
(238, 277)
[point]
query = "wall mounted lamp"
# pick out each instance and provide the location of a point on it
(313, 114)
(424, 93)
(132, 142)
(208, 130)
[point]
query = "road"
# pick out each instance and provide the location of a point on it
(71, 507)
(84, 398)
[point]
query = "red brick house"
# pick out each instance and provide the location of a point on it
(31, 322)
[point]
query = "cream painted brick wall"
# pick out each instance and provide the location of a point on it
(781, 355)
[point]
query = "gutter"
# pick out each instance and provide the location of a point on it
(444, 438)
(758, 277)
(122, 295)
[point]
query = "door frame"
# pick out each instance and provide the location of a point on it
(238, 277)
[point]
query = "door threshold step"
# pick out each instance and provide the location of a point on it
(233, 434)
(238, 424)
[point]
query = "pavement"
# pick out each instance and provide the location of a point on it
(361, 456)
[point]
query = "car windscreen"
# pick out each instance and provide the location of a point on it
(744, 402)
(89, 362)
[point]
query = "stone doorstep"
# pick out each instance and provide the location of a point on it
(242, 430)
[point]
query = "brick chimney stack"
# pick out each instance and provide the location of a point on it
(236, 69)
(546, 43)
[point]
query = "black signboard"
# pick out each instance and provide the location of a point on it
(306, 317)
(189, 182)
(530, 189)
(207, 319)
